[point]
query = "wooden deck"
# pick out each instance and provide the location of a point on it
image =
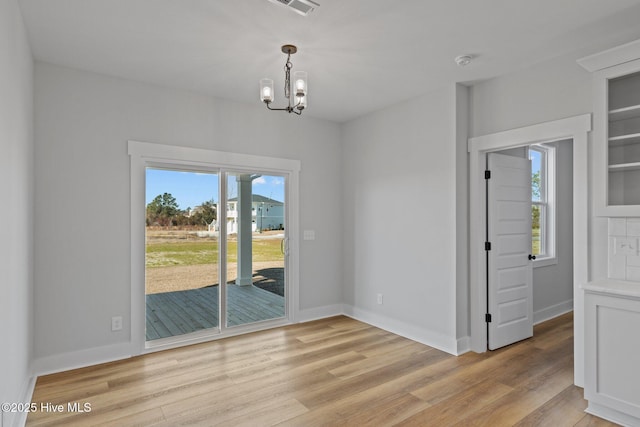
(182, 312)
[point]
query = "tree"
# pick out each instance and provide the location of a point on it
(206, 213)
(209, 212)
(535, 195)
(535, 217)
(535, 186)
(162, 210)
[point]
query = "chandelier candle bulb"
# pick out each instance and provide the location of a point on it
(266, 90)
(300, 79)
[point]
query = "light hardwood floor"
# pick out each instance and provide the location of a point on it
(337, 372)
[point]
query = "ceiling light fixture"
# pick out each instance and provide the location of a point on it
(297, 100)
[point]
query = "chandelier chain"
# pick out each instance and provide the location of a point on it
(287, 77)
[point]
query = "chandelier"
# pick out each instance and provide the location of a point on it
(298, 100)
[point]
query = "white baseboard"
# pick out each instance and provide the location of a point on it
(18, 419)
(463, 345)
(398, 327)
(316, 313)
(81, 359)
(553, 311)
(612, 415)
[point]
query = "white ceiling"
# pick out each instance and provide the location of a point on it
(361, 55)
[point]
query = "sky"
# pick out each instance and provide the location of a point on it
(193, 188)
(536, 160)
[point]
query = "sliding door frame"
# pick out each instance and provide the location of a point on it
(143, 155)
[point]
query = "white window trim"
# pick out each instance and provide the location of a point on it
(550, 187)
(143, 154)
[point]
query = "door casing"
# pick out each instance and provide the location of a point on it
(575, 128)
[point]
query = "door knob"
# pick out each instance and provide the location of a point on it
(531, 257)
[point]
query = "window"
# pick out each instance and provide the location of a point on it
(543, 203)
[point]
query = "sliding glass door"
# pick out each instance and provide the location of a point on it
(215, 250)
(256, 243)
(181, 263)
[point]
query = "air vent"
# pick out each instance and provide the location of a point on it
(303, 7)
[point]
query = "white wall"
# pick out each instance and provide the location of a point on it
(16, 215)
(548, 91)
(462, 218)
(552, 90)
(400, 206)
(83, 122)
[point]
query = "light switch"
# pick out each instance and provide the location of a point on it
(626, 246)
(309, 235)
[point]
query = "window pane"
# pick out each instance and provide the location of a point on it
(537, 230)
(181, 274)
(255, 248)
(536, 167)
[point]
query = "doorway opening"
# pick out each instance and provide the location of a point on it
(530, 264)
(576, 129)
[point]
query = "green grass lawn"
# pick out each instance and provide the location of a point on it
(535, 238)
(163, 254)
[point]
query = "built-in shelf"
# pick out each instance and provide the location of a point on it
(625, 113)
(616, 131)
(624, 167)
(632, 138)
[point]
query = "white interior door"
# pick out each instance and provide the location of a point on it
(509, 267)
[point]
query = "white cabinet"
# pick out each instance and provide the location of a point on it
(616, 129)
(612, 346)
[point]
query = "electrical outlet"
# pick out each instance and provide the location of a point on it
(116, 323)
(626, 246)
(380, 298)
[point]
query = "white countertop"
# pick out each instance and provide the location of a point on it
(614, 287)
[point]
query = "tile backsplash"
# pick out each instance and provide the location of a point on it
(624, 253)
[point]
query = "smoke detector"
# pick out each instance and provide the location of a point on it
(303, 7)
(463, 60)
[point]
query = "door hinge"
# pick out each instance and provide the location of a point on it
(487, 318)
(487, 246)
(487, 174)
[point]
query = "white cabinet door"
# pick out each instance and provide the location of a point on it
(612, 376)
